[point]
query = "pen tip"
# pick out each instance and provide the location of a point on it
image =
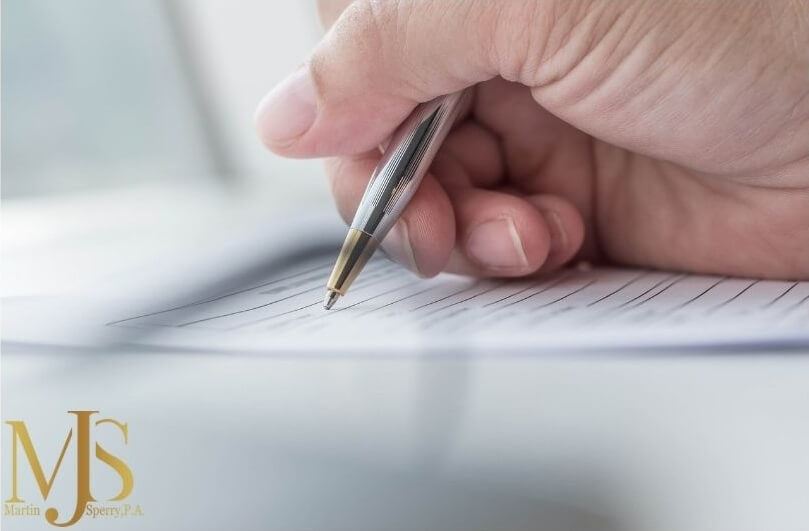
(330, 299)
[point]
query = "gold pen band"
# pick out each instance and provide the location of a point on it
(355, 253)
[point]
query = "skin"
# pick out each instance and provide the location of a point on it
(671, 135)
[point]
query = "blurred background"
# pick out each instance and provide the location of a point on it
(127, 133)
(100, 95)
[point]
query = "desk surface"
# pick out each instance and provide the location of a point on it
(664, 442)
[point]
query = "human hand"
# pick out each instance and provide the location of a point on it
(662, 134)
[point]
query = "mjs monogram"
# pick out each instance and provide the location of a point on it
(80, 433)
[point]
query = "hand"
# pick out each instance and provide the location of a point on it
(663, 134)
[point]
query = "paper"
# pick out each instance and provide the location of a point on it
(390, 310)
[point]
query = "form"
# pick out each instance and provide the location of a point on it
(390, 310)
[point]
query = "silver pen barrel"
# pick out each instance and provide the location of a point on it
(395, 180)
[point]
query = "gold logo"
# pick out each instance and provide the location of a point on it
(86, 504)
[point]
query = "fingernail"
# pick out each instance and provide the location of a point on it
(496, 244)
(289, 110)
(397, 246)
(557, 230)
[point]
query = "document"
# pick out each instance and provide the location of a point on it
(389, 310)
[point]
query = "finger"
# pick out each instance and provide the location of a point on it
(505, 235)
(565, 226)
(423, 237)
(497, 234)
(545, 155)
(529, 134)
(378, 61)
(470, 156)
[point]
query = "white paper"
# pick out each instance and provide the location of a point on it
(389, 311)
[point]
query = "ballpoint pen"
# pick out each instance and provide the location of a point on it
(395, 180)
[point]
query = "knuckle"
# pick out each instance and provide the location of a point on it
(516, 38)
(355, 41)
(350, 33)
(400, 42)
(329, 10)
(542, 41)
(392, 35)
(527, 36)
(373, 22)
(570, 31)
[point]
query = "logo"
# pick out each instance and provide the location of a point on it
(84, 430)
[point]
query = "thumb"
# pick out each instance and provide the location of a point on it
(379, 60)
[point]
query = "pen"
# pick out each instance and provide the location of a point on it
(394, 182)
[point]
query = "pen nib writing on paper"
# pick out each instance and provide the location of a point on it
(330, 299)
